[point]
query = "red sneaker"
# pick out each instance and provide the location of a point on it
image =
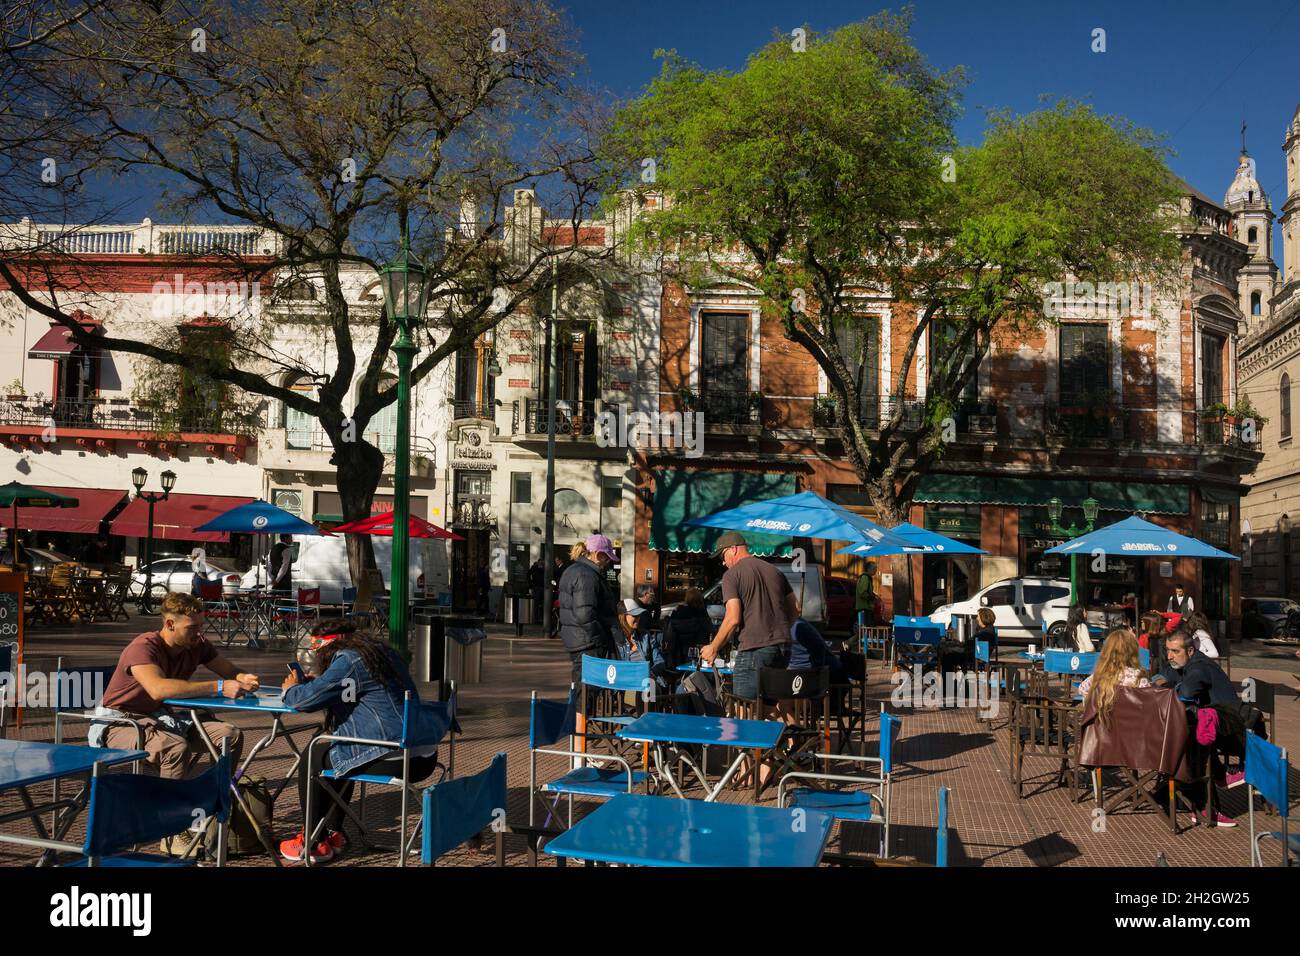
(292, 850)
(1219, 819)
(337, 840)
(1233, 780)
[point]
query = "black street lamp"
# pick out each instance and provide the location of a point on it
(168, 479)
(1090, 507)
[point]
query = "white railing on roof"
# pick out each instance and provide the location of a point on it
(143, 239)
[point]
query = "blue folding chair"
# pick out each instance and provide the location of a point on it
(941, 833)
(1267, 770)
(424, 724)
(456, 810)
(126, 809)
(604, 682)
(1069, 665)
(984, 671)
(863, 806)
(1144, 657)
(548, 722)
(916, 641)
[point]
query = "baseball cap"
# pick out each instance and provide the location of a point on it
(599, 544)
(729, 539)
(630, 606)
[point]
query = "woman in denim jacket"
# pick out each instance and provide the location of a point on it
(363, 684)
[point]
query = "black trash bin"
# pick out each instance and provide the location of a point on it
(464, 648)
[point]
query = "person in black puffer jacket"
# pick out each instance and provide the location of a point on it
(588, 612)
(688, 626)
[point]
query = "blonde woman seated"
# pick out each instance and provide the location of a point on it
(1118, 666)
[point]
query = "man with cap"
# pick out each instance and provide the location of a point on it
(761, 609)
(589, 616)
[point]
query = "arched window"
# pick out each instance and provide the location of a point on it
(298, 426)
(1284, 403)
(1255, 304)
(382, 429)
(1252, 235)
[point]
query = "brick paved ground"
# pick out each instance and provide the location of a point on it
(948, 747)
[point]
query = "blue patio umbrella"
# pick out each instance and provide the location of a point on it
(1137, 538)
(260, 517)
(920, 540)
(805, 515)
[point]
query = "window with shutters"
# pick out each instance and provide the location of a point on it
(1211, 369)
(724, 367)
(1284, 406)
(299, 426)
(858, 339)
(1085, 364)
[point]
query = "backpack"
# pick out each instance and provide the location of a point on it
(241, 837)
(700, 695)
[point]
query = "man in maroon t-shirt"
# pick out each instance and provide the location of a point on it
(158, 665)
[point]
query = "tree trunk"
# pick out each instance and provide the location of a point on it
(360, 465)
(892, 512)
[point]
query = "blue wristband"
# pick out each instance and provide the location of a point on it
(221, 687)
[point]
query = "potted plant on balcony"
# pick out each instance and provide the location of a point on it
(688, 398)
(824, 411)
(15, 391)
(1245, 420)
(755, 406)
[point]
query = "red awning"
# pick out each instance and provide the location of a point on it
(57, 344)
(93, 505)
(176, 518)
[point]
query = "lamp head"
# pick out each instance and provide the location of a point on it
(138, 477)
(1090, 507)
(405, 285)
(1054, 510)
(168, 479)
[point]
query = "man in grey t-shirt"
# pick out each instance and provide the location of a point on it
(761, 608)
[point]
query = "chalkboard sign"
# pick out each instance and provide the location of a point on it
(10, 609)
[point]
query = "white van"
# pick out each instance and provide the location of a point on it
(1020, 605)
(322, 562)
(808, 585)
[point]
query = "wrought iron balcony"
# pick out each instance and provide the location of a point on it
(724, 407)
(470, 409)
(121, 414)
(571, 417)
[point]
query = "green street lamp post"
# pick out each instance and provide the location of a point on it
(1090, 520)
(406, 294)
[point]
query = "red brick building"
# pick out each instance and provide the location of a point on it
(1108, 403)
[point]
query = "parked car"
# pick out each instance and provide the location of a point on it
(812, 588)
(1020, 607)
(37, 560)
(1266, 617)
(176, 573)
(321, 562)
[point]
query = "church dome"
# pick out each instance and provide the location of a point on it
(1245, 187)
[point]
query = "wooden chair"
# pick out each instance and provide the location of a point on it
(1042, 725)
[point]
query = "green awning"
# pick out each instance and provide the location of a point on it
(1110, 495)
(326, 519)
(1220, 496)
(681, 495)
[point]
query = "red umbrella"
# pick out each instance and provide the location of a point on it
(382, 525)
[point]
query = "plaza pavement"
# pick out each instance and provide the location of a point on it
(950, 747)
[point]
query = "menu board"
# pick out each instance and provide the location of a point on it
(10, 611)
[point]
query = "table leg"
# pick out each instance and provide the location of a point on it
(731, 772)
(234, 789)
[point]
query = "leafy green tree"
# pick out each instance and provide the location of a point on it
(827, 175)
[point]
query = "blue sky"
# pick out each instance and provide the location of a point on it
(1191, 70)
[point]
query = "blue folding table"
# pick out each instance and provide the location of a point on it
(741, 735)
(24, 764)
(260, 703)
(637, 830)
